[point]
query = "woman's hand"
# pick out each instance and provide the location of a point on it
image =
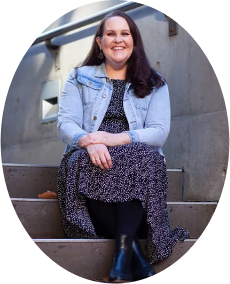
(102, 137)
(98, 137)
(100, 156)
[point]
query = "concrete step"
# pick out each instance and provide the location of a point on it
(92, 259)
(41, 217)
(27, 181)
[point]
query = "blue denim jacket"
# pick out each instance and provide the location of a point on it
(85, 99)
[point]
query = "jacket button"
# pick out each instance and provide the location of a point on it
(104, 96)
(107, 79)
(94, 118)
(90, 83)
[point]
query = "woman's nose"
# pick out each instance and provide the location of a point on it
(118, 39)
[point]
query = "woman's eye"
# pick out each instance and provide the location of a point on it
(113, 34)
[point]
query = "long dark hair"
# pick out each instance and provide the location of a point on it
(139, 72)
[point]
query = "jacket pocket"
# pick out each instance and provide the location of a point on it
(140, 103)
(90, 89)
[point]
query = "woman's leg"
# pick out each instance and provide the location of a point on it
(130, 222)
(121, 221)
(103, 216)
(129, 216)
(142, 231)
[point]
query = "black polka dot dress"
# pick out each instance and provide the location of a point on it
(138, 172)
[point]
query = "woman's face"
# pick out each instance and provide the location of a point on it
(116, 42)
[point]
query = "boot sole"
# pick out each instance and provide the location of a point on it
(140, 277)
(119, 280)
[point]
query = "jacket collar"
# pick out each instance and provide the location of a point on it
(101, 73)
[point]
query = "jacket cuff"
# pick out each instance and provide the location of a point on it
(134, 137)
(77, 138)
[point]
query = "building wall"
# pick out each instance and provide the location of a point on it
(198, 140)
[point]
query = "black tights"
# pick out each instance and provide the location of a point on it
(110, 219)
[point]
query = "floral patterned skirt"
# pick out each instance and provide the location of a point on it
(138, 172)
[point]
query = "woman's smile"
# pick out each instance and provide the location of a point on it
(116, 42)
(116, 48)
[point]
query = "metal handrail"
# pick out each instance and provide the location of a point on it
(85, 21)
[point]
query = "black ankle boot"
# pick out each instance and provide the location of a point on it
(122, 260)
(140, 266)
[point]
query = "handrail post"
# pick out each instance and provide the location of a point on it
(173, 26)
(54, 50)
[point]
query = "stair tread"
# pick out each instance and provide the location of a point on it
(168, 202)
(92, 259)
(42, 178)
(93, 240)
(41, 217)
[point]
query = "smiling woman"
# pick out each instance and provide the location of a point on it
(138, 69)
(112, 181)
(117, 46)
